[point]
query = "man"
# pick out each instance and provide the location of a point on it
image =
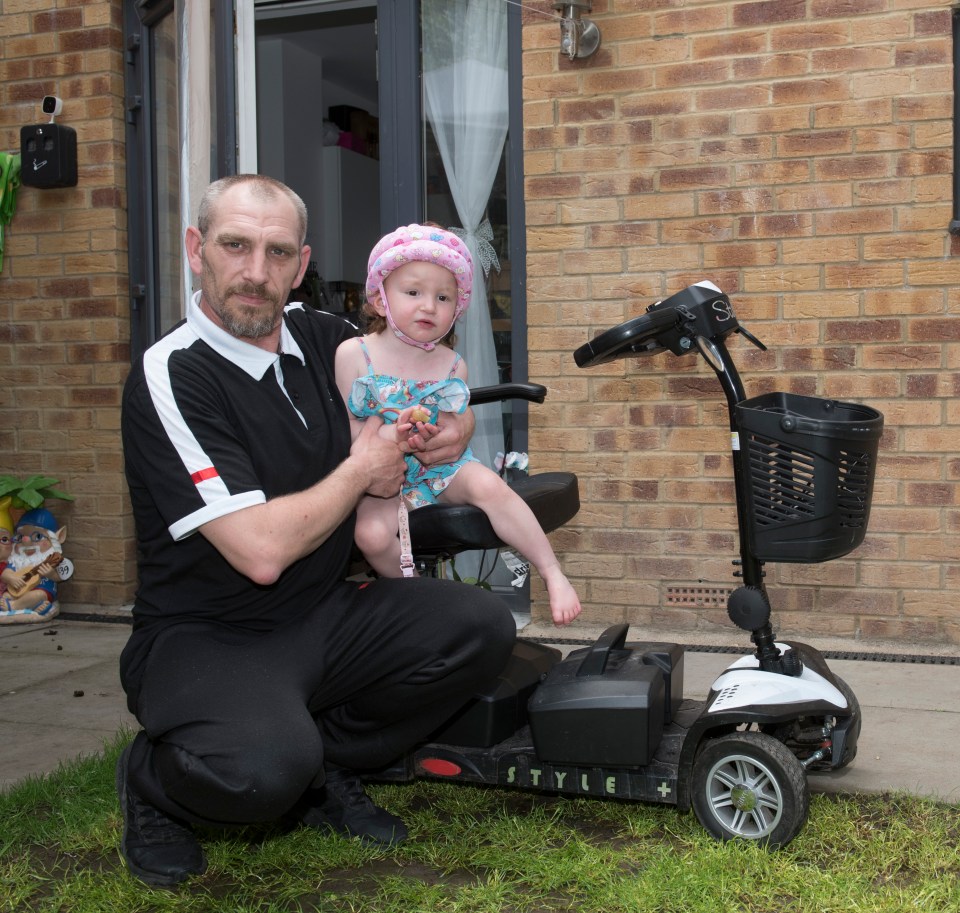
(263, 681)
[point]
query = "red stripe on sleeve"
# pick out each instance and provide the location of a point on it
(202, 474)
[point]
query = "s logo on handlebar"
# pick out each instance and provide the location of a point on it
(724, 309)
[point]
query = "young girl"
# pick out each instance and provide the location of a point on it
(418, 283)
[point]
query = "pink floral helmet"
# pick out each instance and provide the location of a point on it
(431, 245)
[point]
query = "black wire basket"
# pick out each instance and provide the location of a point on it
(809, 465)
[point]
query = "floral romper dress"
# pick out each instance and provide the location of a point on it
(387, 396)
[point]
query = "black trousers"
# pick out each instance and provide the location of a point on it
(237, 726)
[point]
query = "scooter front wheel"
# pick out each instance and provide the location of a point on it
(749, 785)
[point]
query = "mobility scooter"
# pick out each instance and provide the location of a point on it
(610, 720)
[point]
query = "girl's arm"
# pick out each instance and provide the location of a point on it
(348, 365)
(462, 372)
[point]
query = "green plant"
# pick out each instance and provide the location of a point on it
(30, 493)
(481, 850)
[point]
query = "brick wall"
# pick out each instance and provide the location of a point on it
(799, 154)
(64, 311)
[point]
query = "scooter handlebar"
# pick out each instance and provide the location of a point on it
(700, 311)
(534, 393)
(637, 336)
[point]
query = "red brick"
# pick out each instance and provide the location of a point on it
(88, 39)
(866, 331)
(931, 330)
(767, 12)
(58, 20)
(705, 176)
(586, 110)
(935, 22)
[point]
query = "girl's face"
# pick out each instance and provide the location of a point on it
(423, 300)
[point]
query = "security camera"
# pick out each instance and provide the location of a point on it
(52, 106)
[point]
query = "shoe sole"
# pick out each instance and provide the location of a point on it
(151, 878)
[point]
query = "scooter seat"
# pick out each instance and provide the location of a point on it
(445, 529)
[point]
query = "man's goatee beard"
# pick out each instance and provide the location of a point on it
(252, 326)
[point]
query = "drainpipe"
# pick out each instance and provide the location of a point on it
(955, 222)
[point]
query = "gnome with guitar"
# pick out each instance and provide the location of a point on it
(35, 566)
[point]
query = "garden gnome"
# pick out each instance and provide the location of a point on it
(33, 569)
(6, 539)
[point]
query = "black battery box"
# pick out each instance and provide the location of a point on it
(607, 705)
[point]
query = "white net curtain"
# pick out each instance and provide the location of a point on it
(466, 103)
(465, 91)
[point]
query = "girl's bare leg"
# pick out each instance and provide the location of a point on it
(376, 534)
(516, 525)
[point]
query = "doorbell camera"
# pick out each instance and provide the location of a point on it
(51, 105)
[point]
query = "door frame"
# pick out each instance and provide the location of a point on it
(398, 61)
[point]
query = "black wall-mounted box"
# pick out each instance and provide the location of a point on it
(48, 155)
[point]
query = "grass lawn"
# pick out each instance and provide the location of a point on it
(474, 850)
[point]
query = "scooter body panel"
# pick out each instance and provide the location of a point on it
(749, 687)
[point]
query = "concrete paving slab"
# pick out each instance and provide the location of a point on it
(38, 749)
(60, 694)
(17, 676)
(84, 639)
(908, 686)
(906, 751)
(87, 697)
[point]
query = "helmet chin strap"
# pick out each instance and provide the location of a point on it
(427, 346)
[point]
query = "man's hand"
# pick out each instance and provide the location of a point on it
(444, 442)
(379, 459)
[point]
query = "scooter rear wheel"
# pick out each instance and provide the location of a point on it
(748, 785)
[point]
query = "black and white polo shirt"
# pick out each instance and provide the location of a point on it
(212, 425)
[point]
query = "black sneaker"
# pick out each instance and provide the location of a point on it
(344, 807)
(157, 849)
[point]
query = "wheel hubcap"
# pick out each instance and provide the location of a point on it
(744, 796)
(744, 799)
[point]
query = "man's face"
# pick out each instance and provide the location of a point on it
(248, 262)
(6, 543)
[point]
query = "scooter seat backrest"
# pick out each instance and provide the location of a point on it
(446, 529)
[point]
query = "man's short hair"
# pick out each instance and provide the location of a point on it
(262, 187)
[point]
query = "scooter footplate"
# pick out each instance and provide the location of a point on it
(513, 764)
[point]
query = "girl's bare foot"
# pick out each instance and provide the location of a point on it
(564, 602)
